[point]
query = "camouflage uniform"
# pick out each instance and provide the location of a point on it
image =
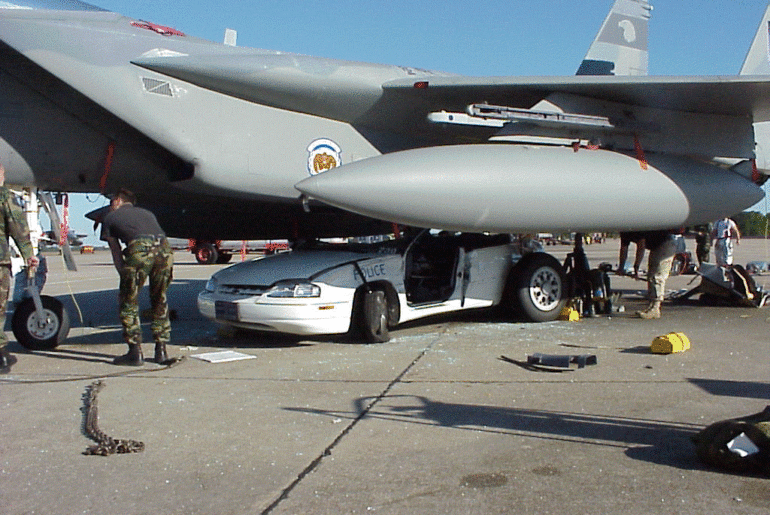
(662, 251)
(146, 254)
(659, 267)
(146, 257)
(703, 242)
(13, 225)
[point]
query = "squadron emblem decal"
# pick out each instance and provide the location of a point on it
(629, 31)
(323, 154)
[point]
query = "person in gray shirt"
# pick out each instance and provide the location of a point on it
(146, 254)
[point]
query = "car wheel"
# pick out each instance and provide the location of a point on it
(538, 287)
(36, 334)
(207, 254)
(374, 319)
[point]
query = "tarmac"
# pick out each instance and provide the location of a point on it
(445, 418)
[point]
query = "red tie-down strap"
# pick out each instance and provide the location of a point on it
(640, 153)
(107, 167)
(64, 225)
(755, 176)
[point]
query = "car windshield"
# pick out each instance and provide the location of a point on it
(389, 244)
(51, 5)
(380, 244)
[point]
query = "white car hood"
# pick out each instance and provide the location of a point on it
(288, 265)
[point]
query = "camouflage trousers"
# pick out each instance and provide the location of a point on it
(658, 269)
(703, 247)
(145, 258)
(5, 286)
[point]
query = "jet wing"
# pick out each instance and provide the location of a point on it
(676, 114)
(724, 95)
(684, 115)
(283, 80)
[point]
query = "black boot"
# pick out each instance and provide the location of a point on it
(133, 358)
(160, 353)
(6, 360)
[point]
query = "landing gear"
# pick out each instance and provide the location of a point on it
(40, 333)
(46, 325)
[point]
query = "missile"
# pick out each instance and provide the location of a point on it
(528, 188)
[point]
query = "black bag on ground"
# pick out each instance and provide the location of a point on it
(712, 444)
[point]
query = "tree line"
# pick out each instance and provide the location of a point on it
(752, 223)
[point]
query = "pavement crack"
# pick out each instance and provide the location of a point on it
(365, 411)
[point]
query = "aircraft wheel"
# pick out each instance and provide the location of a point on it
(224, 258)
(538, 287)
(36, 334)
(374, 319)
(207, 254)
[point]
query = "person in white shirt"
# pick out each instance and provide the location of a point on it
(727, 235)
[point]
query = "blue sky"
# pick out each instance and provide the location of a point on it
(482, 37)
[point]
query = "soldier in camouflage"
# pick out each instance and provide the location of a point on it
(146, 254)
(662, 251)
(703, 242)
(13, 225)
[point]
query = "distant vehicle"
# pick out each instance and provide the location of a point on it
(208, 252)
(757, 267)
(368, 289)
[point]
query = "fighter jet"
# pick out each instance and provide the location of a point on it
(237, 143)
(49, 239)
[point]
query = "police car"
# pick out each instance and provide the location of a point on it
(367, 289)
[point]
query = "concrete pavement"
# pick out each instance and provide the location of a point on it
(438, 420)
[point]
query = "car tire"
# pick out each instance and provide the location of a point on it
(538, 287)
(374, 317)
(47, 335)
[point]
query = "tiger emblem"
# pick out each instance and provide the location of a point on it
(323, 155)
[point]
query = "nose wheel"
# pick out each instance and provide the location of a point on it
(40, 332)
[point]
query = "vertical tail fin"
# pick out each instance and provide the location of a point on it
(757, 62)
(620, 47)
(758, 59)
